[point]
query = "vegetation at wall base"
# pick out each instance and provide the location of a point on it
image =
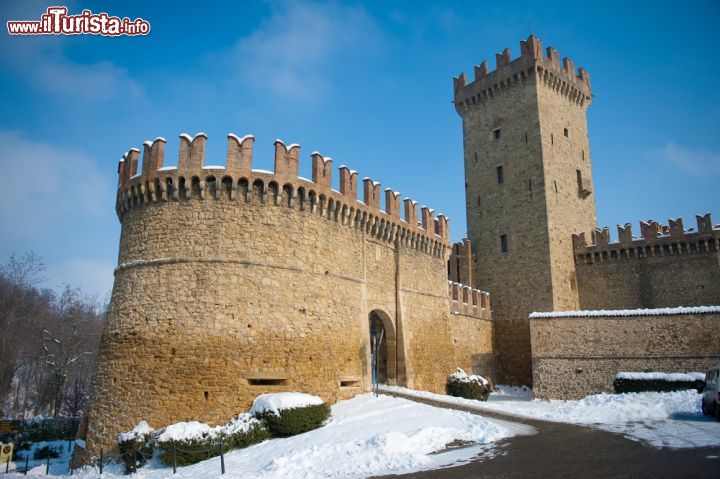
(624, 385)
(136, 452)
(468, 389)
(47, 452)
(190, 451)
(289, 422)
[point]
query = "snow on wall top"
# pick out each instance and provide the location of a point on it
(655, 239)
(628, 312)
(148, 182)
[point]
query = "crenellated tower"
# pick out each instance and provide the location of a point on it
(528, 187)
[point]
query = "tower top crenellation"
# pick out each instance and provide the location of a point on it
(563, 75)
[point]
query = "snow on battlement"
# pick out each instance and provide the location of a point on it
(656, 240)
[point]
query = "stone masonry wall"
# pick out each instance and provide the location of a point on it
(667, 267)
(514, 119)
(231, 284)
(577, 356)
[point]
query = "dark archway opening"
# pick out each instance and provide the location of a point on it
(382, 348)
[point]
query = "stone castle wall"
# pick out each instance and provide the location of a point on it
(576, 355)
(666, 267)
(233, 282)
(515, 118)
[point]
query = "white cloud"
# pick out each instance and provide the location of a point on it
(693, 161)
(94, 82)
(46, 185)
(291, 53)
(43, 63)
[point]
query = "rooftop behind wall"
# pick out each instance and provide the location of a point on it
(655, 240)
(575, 84)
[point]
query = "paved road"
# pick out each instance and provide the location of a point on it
(561, 450)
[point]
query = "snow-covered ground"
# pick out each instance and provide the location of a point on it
(365, 436)
(671, 419)
(58, 465)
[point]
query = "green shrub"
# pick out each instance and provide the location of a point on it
(50, 429)
(239, 433)
(47, 452)
(189, 451)
(136, 447)
(653, 382)
(288, 422)
(462, 385)
(136, 453)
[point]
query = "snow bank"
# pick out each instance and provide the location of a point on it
(463, 377)
(188, 430)
(142, 429)
(366, 436)
(661, 376)
(276, 402)
(183, 431)
(667, 419)
(628, 312)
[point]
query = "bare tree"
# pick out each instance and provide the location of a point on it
(66, 343)
(48, 343)
(22, 305)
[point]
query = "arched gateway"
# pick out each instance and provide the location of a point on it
(383, 348)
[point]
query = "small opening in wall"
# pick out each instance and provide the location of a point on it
(500, 175)
(476, 157)
(266, 382)
(556, 190)
(566, 132)
(349, 383)
(496, 133)
(526, 137)
(503, 243)
(478, 199)
(172, 351)
(207, 395)
(529, 184)
(114, 380)
(583, 155)
(552, 139)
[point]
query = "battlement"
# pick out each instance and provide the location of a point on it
(563, 78)
(460, 262)
(469, 301)
(655, 240)
(193, 179)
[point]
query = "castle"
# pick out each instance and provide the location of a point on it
(233, 281)
(530, 212)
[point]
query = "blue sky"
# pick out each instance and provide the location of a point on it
(368, 83)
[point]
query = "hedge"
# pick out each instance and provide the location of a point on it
(136, 452)
(461, 385)
(190, 451)
(288, 422)
(636, 385)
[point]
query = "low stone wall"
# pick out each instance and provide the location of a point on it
(578, 353)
